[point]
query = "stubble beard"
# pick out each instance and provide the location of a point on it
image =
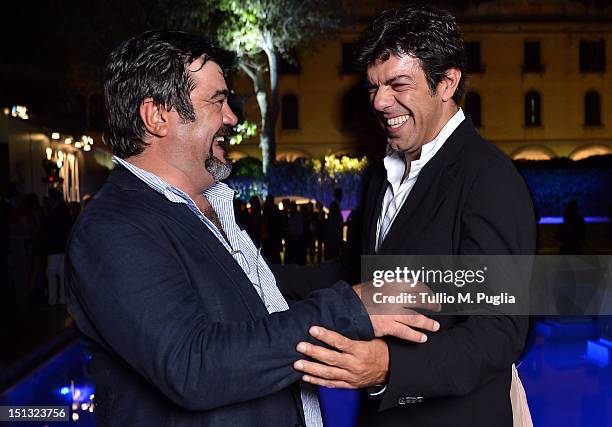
(219, 169)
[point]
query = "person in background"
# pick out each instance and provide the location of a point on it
(6, 212)
(571, 234)
(241, 213)
(27, 248)
(310, 231)
(57, 225)
(333, 231)
(255, 220)
(296, 249)
(271, 231)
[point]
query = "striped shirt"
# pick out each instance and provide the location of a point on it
(242, 248)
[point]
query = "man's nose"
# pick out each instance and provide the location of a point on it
(229, 118)
(382, 99)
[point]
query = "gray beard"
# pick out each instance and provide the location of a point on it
(218, 169)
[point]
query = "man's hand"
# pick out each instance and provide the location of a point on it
(358, 364)
(401, 325)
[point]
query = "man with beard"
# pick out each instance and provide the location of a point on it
(181, 313)
(443, 191)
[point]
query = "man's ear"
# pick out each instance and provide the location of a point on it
(154, 117)
(448, 85)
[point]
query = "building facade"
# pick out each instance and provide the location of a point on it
(539, 84)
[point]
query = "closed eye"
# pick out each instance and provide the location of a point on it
(400, 87)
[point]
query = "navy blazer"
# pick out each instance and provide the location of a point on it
(178, 333)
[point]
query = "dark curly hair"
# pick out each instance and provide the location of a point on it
(423, 32)
(151, 65)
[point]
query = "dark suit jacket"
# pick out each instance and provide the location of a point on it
(468, 199)
(178, 333)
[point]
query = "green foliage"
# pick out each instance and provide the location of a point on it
(258, 32)
(243, 132)
(250, 27)
(248, 167)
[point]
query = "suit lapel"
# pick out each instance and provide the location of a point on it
(376, 195)
(430, 189)
(181, 216)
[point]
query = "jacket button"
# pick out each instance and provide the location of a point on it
(410, 399)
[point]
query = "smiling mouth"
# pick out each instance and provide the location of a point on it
(398, 121)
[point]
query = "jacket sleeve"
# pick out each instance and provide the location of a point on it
(497, 219)
(296, 282)
(131, 296)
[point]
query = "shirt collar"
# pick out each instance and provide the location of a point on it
(394, 161)
(219, 190)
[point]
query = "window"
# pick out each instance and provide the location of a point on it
(285, 67)
(532, 109)
(531, 57)
(592, 56)
(289, 111)
(348, 58)
(357, 119)
(592, 109)
(472, 51)
(472, 107)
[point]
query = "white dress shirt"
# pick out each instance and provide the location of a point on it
(398, 189)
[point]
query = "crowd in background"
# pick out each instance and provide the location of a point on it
(293, 232)
(35, 232)
(33, 242)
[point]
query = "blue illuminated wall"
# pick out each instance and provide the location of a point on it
(555, 182)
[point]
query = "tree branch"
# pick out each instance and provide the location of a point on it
(248, 71)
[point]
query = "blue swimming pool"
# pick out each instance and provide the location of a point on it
(564, 387)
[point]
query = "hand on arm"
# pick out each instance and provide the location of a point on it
(357, 364)
(401, 323)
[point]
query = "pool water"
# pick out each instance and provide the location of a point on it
(564, 387)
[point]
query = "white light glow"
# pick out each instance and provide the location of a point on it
(20, 112)
(55, 135)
